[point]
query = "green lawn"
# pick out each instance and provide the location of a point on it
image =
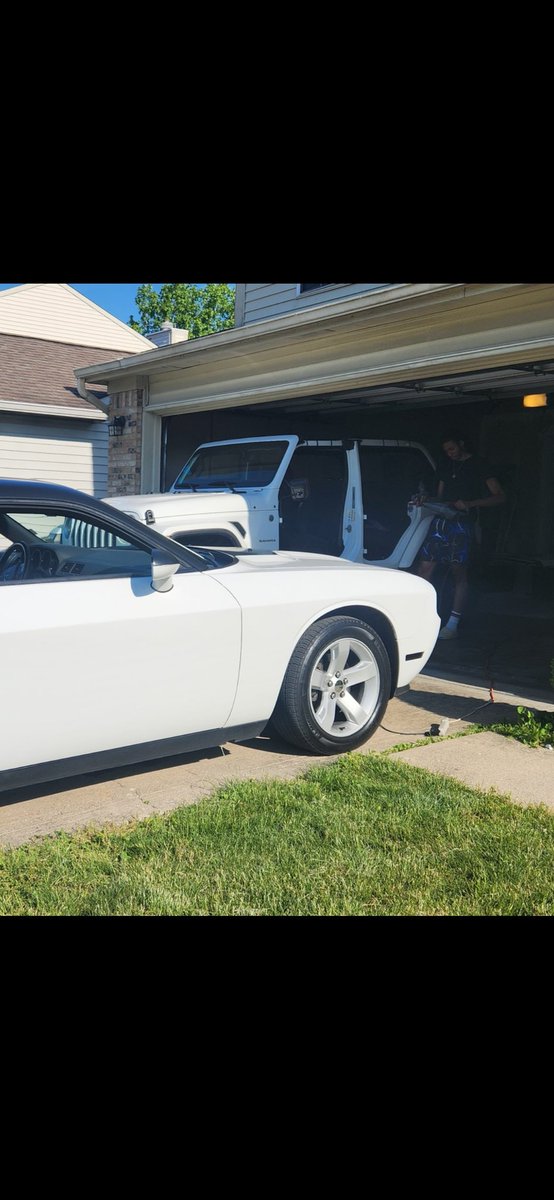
(362, 836)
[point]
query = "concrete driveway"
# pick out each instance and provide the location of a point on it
(115, 797)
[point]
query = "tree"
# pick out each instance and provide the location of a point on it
(200, 308)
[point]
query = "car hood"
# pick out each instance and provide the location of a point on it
(330, 580)
(301, 560)
(169, 503)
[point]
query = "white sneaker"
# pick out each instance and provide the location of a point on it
(446, 634)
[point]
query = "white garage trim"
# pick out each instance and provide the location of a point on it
(424, 367)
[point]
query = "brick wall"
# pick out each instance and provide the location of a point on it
(124, 452)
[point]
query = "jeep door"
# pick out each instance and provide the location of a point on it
(319, 500)
(392, 472)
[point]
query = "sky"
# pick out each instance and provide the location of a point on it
(116, 298)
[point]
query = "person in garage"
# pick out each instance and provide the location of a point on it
(468, 484)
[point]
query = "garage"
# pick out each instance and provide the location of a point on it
(488, 408)
(406, 362)
(508, 629)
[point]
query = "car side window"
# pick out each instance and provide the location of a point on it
(41, 545)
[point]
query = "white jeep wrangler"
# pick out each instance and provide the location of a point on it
(350, 498)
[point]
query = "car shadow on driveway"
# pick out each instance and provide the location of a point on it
(264, 743)
(114, 774)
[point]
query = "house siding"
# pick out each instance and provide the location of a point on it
(56, 312)
(54, 450)
(263, 300)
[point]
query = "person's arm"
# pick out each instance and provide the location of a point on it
(497, 496)
(440, 489)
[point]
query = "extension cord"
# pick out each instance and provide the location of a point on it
(440, 728)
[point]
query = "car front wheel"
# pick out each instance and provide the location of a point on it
(336, 687)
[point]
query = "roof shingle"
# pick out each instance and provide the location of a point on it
(34, 371)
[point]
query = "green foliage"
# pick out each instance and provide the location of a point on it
(427, 741)
(534, 729)
(363, 836)
(200, 308)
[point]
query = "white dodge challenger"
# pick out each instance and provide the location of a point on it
(119, 646)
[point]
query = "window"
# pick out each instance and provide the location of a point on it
(310, 287)
(235, 465)
(40, 545)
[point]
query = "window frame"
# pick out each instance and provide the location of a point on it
(148, 542)
(303, 289)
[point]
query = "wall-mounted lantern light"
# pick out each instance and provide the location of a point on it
(116, 426)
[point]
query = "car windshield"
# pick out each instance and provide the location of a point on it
(236, 466)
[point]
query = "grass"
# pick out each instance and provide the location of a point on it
(361, 836)
(533, 728)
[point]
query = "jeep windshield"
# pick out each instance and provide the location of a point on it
(235, 465)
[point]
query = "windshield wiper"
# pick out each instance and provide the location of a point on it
(207, 484)
(221, 483)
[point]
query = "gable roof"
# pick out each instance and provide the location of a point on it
(37, 375)
(56, 312)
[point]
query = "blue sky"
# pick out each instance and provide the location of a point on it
(115, 298)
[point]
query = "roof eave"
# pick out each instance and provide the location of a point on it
(166, 356)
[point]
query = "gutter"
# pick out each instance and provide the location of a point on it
(51, 410)
(88, 396)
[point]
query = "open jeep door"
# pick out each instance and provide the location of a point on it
(320, 500)
(392, 472)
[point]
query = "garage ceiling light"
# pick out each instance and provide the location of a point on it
(537, 401)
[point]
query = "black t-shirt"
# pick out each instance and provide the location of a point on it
(466, 480)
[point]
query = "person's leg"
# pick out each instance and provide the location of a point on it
(459, 572)
(430, 552)
(426, 567)
(458, 537)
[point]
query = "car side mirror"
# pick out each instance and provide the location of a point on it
(163, 568)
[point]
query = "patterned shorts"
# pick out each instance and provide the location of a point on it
(448, 541)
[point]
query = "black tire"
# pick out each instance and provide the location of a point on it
(312, 717)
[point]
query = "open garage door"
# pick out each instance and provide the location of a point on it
(487, 406)
(509, 626)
